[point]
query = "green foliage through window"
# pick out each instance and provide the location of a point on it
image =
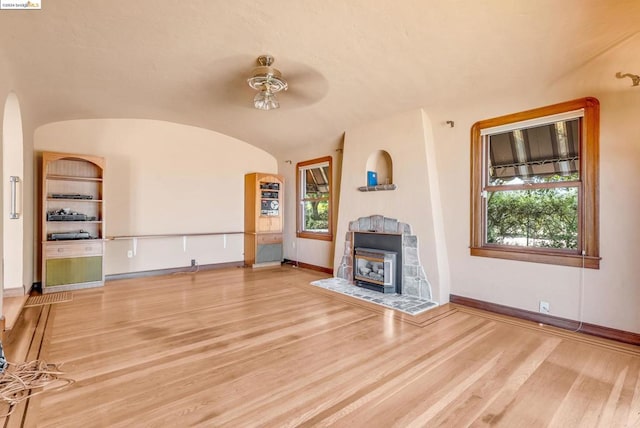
(544, 217)
(316, 216)
(314, 204)
(534, 185)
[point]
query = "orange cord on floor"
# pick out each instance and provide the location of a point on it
(21, 381)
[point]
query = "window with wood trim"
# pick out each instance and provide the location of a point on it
(314, 212)
(534, 185)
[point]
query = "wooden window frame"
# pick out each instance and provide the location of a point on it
(300, 233)
(588, 253)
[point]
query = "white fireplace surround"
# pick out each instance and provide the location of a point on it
(414, 279)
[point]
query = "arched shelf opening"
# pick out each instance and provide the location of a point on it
(379, 172)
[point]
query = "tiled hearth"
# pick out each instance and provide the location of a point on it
(404, 303)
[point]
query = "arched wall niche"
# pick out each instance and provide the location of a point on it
(380, 162)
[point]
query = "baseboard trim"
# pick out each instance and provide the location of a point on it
(14, 292)
(309, 266)
(158, 272)
(591, 329)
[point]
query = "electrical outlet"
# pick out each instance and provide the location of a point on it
(544, 307)
(193, 263)
(129, 253)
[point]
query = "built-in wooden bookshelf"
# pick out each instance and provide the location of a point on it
(263, 219)
(72, 221)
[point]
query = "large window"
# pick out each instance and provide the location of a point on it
(314, 199)
(534, 185)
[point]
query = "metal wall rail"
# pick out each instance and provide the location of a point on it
(184, 236)
(169, 235)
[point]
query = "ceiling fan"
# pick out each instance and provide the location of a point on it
(268, 81)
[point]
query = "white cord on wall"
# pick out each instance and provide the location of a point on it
(581, 280)
(580, 294)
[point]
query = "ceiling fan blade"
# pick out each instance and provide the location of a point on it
(228, 83)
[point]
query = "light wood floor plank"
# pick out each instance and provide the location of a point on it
(241, 347)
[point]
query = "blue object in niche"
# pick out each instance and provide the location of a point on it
(372, 178)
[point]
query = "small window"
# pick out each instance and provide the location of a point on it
(534, 185)
(314, 215)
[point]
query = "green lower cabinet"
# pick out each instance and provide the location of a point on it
(73, 270)
(269, 253)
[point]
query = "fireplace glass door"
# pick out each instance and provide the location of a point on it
(375, 269)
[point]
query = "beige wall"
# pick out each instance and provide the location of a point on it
(5, 88)
(164, 178)
(13, 165)
(21, 242)
(610, 295)
(408, 139)
(311, 251)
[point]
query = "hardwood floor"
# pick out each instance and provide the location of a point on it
(240, 347)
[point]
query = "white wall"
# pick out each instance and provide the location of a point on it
(408, 139)
(164, 178)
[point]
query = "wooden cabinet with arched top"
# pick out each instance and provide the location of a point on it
(73, 228)
(263, 219)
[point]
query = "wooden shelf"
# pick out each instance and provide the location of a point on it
(75, 221)
(378, 188)
(72, 178)
(72, 200)
(76, 240)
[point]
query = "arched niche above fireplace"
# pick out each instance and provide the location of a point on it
(380, 163)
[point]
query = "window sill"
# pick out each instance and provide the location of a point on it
(573, 260)
(318, 236)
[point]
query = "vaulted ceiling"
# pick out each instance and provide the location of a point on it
(347, 62)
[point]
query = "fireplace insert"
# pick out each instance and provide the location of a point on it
(375, 269)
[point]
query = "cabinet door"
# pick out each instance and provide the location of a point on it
(73, 270)
(269, 224)
(269, 253)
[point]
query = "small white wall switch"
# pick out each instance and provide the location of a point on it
(544, 307)
(129, 253)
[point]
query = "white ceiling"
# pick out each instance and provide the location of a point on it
(346, 61)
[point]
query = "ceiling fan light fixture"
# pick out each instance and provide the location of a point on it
(268, 81)
(265, 100)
